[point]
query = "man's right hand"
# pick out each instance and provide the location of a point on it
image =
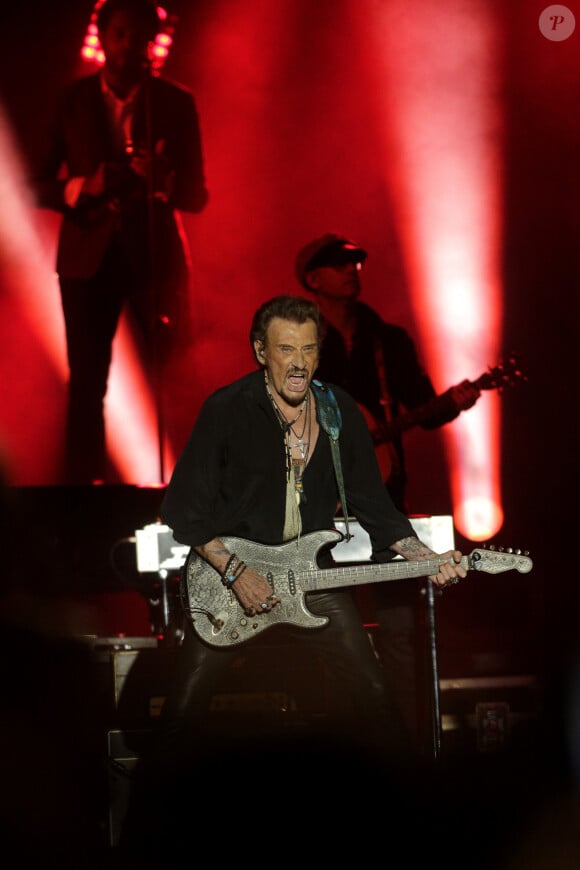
(254, 593)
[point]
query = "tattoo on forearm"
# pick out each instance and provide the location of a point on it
(413, 548)
(212, 549)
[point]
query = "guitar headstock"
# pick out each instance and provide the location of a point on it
(498, 561)
(508, 373)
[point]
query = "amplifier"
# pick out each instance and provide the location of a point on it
(141, 680)
(488, 714)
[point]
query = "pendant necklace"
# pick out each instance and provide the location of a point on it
(301, 444)
(294, 467)
(298, 465)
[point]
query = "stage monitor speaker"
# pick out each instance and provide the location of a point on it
(490, 714)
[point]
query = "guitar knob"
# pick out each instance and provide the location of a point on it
(509, 550)
(518, 552)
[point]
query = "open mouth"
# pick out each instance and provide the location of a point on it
(297, 381)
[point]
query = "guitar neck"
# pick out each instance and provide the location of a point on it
(332, 578)
(391, 430)
(506, 374)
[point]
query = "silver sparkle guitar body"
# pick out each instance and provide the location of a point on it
(293, 573)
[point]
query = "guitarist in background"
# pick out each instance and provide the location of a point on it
(377, 363)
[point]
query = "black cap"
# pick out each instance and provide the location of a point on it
(328, 250)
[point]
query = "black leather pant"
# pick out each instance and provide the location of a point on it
(361, 705)
(247, 774)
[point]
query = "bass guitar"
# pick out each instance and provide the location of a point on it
(292, 572)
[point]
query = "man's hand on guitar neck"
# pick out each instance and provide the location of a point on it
(464, 395)
(450, 568)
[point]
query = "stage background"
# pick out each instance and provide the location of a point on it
(291, 155)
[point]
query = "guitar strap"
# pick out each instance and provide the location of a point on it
(331, 421)
(386, 400)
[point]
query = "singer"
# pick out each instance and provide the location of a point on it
(123, 156)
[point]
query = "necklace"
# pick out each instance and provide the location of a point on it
(294, 465)
(301, 444)
(298, 465)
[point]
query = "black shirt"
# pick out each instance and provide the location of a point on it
(230, 479)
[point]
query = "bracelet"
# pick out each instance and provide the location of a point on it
(230, 578)
(240, 570)
(229, 574)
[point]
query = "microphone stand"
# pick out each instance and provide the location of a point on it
(152, 289)
(435, 708)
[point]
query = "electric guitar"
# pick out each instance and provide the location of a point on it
(292, 572)
(507, 373)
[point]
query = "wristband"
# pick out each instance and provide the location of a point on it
(229, 574)
(232, 575)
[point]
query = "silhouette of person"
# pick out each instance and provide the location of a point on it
(123, 157)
